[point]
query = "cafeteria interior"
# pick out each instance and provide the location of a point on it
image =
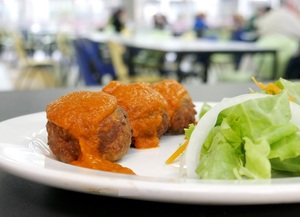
(38, 48)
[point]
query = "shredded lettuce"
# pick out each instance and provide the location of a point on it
(251, 139)
(188, 131)
(273, 88)
(205, 108)
(293, 88)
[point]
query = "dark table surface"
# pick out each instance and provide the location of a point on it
(21, 197)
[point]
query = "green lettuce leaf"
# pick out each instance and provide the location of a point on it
(246, 136)
(205, 108)
(188, 131)
(288, 165)
(292, 88)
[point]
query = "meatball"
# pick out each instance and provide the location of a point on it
(63, 145)
(181, 108)
(89, 129)
(115, 129)
(146, 110)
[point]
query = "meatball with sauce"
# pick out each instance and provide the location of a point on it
(146, 109)
(181, 108)
(89, 129)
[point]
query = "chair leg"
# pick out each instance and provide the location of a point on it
(27, 77)
(23, 77)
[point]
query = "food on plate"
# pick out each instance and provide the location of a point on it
(245, 137)
(292, 88)
(275, 120)
(181, 108)
(147, 111)
(89, 129)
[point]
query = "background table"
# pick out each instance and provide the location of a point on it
(20, 197)
(203, 48)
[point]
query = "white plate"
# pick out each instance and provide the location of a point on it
(24, 153)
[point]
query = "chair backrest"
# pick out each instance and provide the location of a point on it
(116, 52)
(64, 44)
(103, 65)
(19, 46)
(92, 66)
(86, 69)
(286, 48)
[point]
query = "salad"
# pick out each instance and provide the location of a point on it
(246, 137)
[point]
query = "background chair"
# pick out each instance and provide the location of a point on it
(151, 61)
(117, 54)
(101, 61)
(286, 48)
(87, 72)
(92, 66)
(32, 67)
(261, 65)
(66, 59)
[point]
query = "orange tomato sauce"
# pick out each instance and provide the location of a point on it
(172, 91)
(144, 107)
(80, 113)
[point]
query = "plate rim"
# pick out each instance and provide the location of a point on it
(279, 190)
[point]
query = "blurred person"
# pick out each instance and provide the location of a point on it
(238, 27)
(284, 20)
(180, 26)
(200, 24)
(160, 21)
(117, 20)
(250, 27)
(237, 34)
(250, 23)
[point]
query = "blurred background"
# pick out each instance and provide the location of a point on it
(37, 36)
(85, 15)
